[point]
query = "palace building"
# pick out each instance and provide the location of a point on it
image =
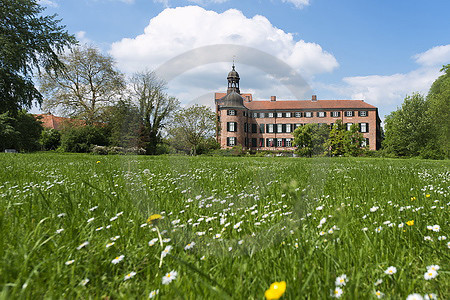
(269, 124)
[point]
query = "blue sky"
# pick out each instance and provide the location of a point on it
(375, 50)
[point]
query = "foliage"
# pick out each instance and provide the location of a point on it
(409, 129)
(124, 124)
(310, 139)
(50, 139)
(154, 105)
(85, 87)
(267, 211)
(438, 99)
(20, 132)
(29, 41)
(191, 127)
(344, 142)
(82, 139)
(336, 143)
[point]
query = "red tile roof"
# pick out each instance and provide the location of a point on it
(58, 123)
(301, 104)
(308, 104)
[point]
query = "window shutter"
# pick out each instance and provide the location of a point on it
(235, 127)
(228, 141)
(283, 127)
(275, 142)
(283, 142)
(367, 127)
(228, 126)
(359, 124)
(283, 115)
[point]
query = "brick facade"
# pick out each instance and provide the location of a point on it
(268, 125)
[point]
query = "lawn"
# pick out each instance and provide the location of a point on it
(76, 226)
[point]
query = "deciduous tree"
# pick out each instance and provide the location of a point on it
(85, 87)
(154, 105)
(193, 126)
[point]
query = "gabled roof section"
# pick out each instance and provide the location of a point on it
(53, 122)
(308, 104)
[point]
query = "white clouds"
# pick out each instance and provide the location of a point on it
(49, 3)
(166, 3)
(436, 56)
(181, 29)
(254, 41)
(388, 92)
(298, 3)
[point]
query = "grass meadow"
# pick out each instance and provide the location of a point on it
(76, 226)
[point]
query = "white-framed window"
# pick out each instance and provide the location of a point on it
(363, 113)
(270, 143)
(231, 141)
(288, 142)
(231, 126)
(364, 127)
(288, 115)
(321, 114)
(348, 125)
(349, 113)
(288, 128)
(298, 114)
(297, 125)
(335, 114)
(255, 115)
(270, 115)
(279, 127)
(308, 114)
(269, 128)
(279, 115)
(279, 142)
(231, 112)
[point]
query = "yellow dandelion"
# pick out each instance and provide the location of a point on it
(97, 162)
(410, 223)
(413, 198)
(154, 218)
(428, 195)
(276, 290)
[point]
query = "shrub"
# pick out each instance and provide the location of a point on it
(50, 139)
(83, 139)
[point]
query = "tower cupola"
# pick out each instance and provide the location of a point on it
(233, 81)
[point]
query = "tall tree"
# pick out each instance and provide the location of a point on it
(193, 126)
(85, 87)
(438, 99)
(155, 107)
(29, 41)
(409, 129)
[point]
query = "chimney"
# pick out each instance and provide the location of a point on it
(273, 98)
(314, 98)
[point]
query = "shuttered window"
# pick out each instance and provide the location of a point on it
(231, 112)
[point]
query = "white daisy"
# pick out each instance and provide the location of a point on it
(118, 259)
(379, 294)
(109, 244)
(436, 228)
(337, 293)
(153, 294)
(391, 270)
(430, 274)
(90, 220)
(414, 297)
(433, 267)
(166, 251)
(169, 277)
(152, 242)
(84, 282)
(60, 230)
(189, 246)
(129, 276)
(341, 280)
(69, 262)
(82, 245)
(430, 296)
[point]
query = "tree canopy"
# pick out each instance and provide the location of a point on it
(192, 126)
(85, 87)
(29, 42)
